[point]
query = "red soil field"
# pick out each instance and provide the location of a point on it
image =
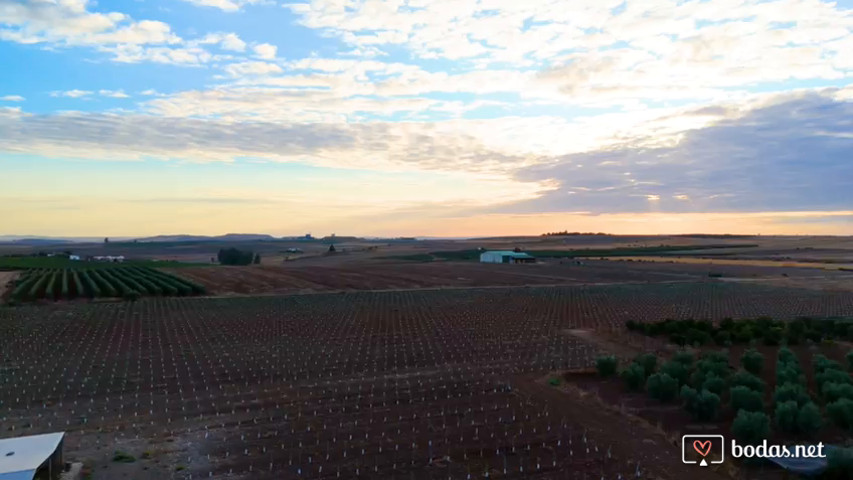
(412, 384)
(298, 277)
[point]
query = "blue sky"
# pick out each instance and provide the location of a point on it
(425, 117)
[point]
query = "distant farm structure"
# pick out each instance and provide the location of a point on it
(506, 256)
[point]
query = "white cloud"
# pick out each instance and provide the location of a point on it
(228, 5)
(113, 93)
(227, 41)
(596, 54)
(265, 51)
(71, 93)
(12, 98)
(69, 23)
(252, 68)
(168, 55)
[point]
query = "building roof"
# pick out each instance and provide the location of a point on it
(510, 253)
(20, 457)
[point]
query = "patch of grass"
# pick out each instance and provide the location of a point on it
(123, 457)
(459, 255)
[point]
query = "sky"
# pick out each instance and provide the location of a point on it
(425, 117)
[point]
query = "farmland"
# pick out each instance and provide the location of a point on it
(124, 281)
(408, 384)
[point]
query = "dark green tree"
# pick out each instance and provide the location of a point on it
(751, 427)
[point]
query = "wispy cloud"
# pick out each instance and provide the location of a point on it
(229, 5)
(72, 93)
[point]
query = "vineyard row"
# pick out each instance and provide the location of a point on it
(125, 282)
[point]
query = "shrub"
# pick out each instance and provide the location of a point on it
(831, 376)
(703, 405)
(717, 357)
(675, 370)
(678, 339)
(850, 361)
(123, 457)
(686, 358)
(786, 416)
(744, 398)
(634, 376)
(772, 336)
(752, 361)
(789, 373)
(785, 355)
(714, 384)
(835, 391)
(698, 337)
(708, 368)
(606, 365)
(632, 325)
(751, 427)
(841, 413)
(839, 464)
(793, 338)
(791, 392)
(688, 394)
(809, 419)
(747, 380)
(648, 361)
(743, 335)
(822, 364)
(697, 378)
(662, 387)
(723, 338)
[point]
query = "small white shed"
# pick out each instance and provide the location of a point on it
(22, 458)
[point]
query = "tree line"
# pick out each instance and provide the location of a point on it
(233, 256)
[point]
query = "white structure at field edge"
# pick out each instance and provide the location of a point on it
(506, 256)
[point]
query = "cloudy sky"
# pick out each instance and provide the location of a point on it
(425, 117)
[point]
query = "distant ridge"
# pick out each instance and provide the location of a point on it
(229, 237)
(36, 240)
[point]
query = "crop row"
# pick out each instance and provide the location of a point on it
(126, 282)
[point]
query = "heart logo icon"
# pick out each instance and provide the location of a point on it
(702, 448)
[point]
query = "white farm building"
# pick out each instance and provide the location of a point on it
(506, 256)
(36, 457)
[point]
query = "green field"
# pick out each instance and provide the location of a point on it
(121, 281)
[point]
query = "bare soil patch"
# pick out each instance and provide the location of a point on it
(738, 261)
(7, 281)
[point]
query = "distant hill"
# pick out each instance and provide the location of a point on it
(230, 237)
(36, 240)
